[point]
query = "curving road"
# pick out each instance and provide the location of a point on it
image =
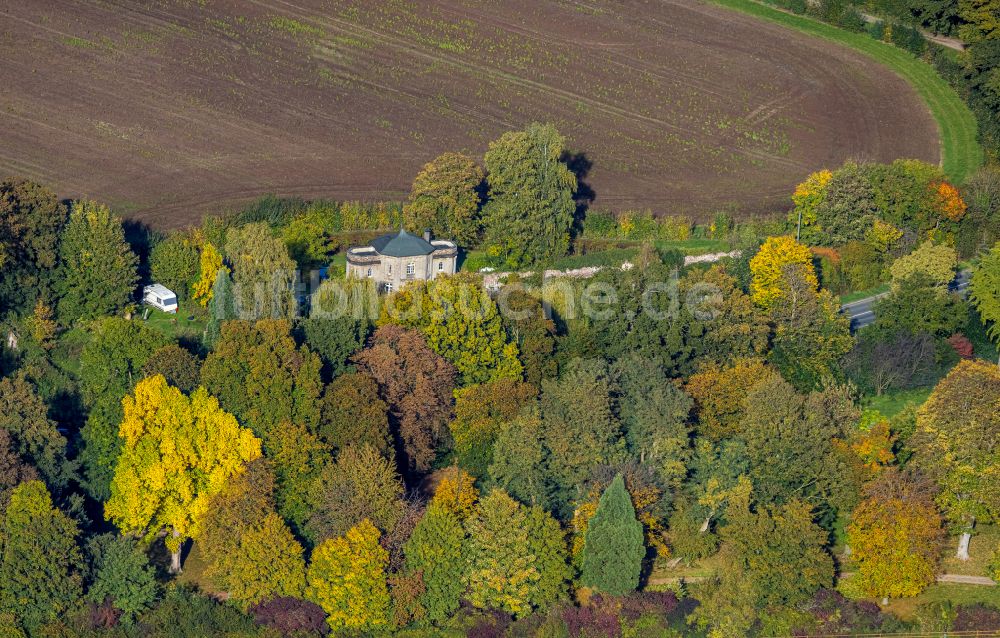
(862, 311)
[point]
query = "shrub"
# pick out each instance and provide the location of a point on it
(977, 617)
(600, 224)
(289, 615)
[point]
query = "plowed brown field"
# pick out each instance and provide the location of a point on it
(170, 109)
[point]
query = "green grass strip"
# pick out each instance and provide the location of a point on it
(961, 153)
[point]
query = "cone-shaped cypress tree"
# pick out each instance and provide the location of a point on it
(613, 547)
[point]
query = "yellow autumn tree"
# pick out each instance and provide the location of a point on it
(177, 453)
(455, 492)
(883, 235)
(719, 393)
(501, 570)
(211, 264)
(769, 268)
(347, 579)
(895, 536)
(808, 196)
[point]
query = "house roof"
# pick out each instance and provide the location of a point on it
(402, 244)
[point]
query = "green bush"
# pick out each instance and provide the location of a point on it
(600, 224)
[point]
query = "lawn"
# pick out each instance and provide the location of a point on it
(892, 403)
(188, 324)
(985, 541)
(961, 154)
(956, 594)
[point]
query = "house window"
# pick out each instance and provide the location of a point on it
(369, 272)
(390, 270)
(388, 286)
(440, 266)
(410, 269)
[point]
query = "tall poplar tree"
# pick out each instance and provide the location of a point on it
(530, 208)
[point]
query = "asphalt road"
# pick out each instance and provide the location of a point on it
(862, 311)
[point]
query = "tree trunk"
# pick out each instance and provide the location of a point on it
(175, 556)
(704, 526)
(963, 545)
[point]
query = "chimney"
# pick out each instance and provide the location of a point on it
(427, 235)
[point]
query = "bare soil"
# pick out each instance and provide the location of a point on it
(169, 109)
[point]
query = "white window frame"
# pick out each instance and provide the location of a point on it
(441, 266)
(411, 269)
(388, 286)
(369, 271)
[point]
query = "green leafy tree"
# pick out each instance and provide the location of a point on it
(361, 485)
(480, 411)
(849, 205)
(435, 549)
(580, 428)
(263, 273)
(347, 579)
(308, 238)
(97, 276)
(518, 460)
(352, 413)
(176, 263)
(532, 331)
(120, 573)
(178, 453)
(547, 543)
(530, 207)
(461, 323)
(179, 367)
(334, 339)
(780, 423)
(31, 218)
(955, 444)
(445, 198)
(985, 290)
(917, 305)
(299, 457)
(501, 572)
(614, 548)
(770, 559)
(654, 415)
(113, 358)
(112, 362)
(810, 333)
(34, 437)
(40, 561)
(262, 377)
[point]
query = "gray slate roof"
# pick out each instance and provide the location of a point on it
(402, 244)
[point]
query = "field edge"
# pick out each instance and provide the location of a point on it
(961, 153)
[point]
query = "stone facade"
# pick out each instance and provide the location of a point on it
(394, 260)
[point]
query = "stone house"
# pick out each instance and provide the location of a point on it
(395, 259)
